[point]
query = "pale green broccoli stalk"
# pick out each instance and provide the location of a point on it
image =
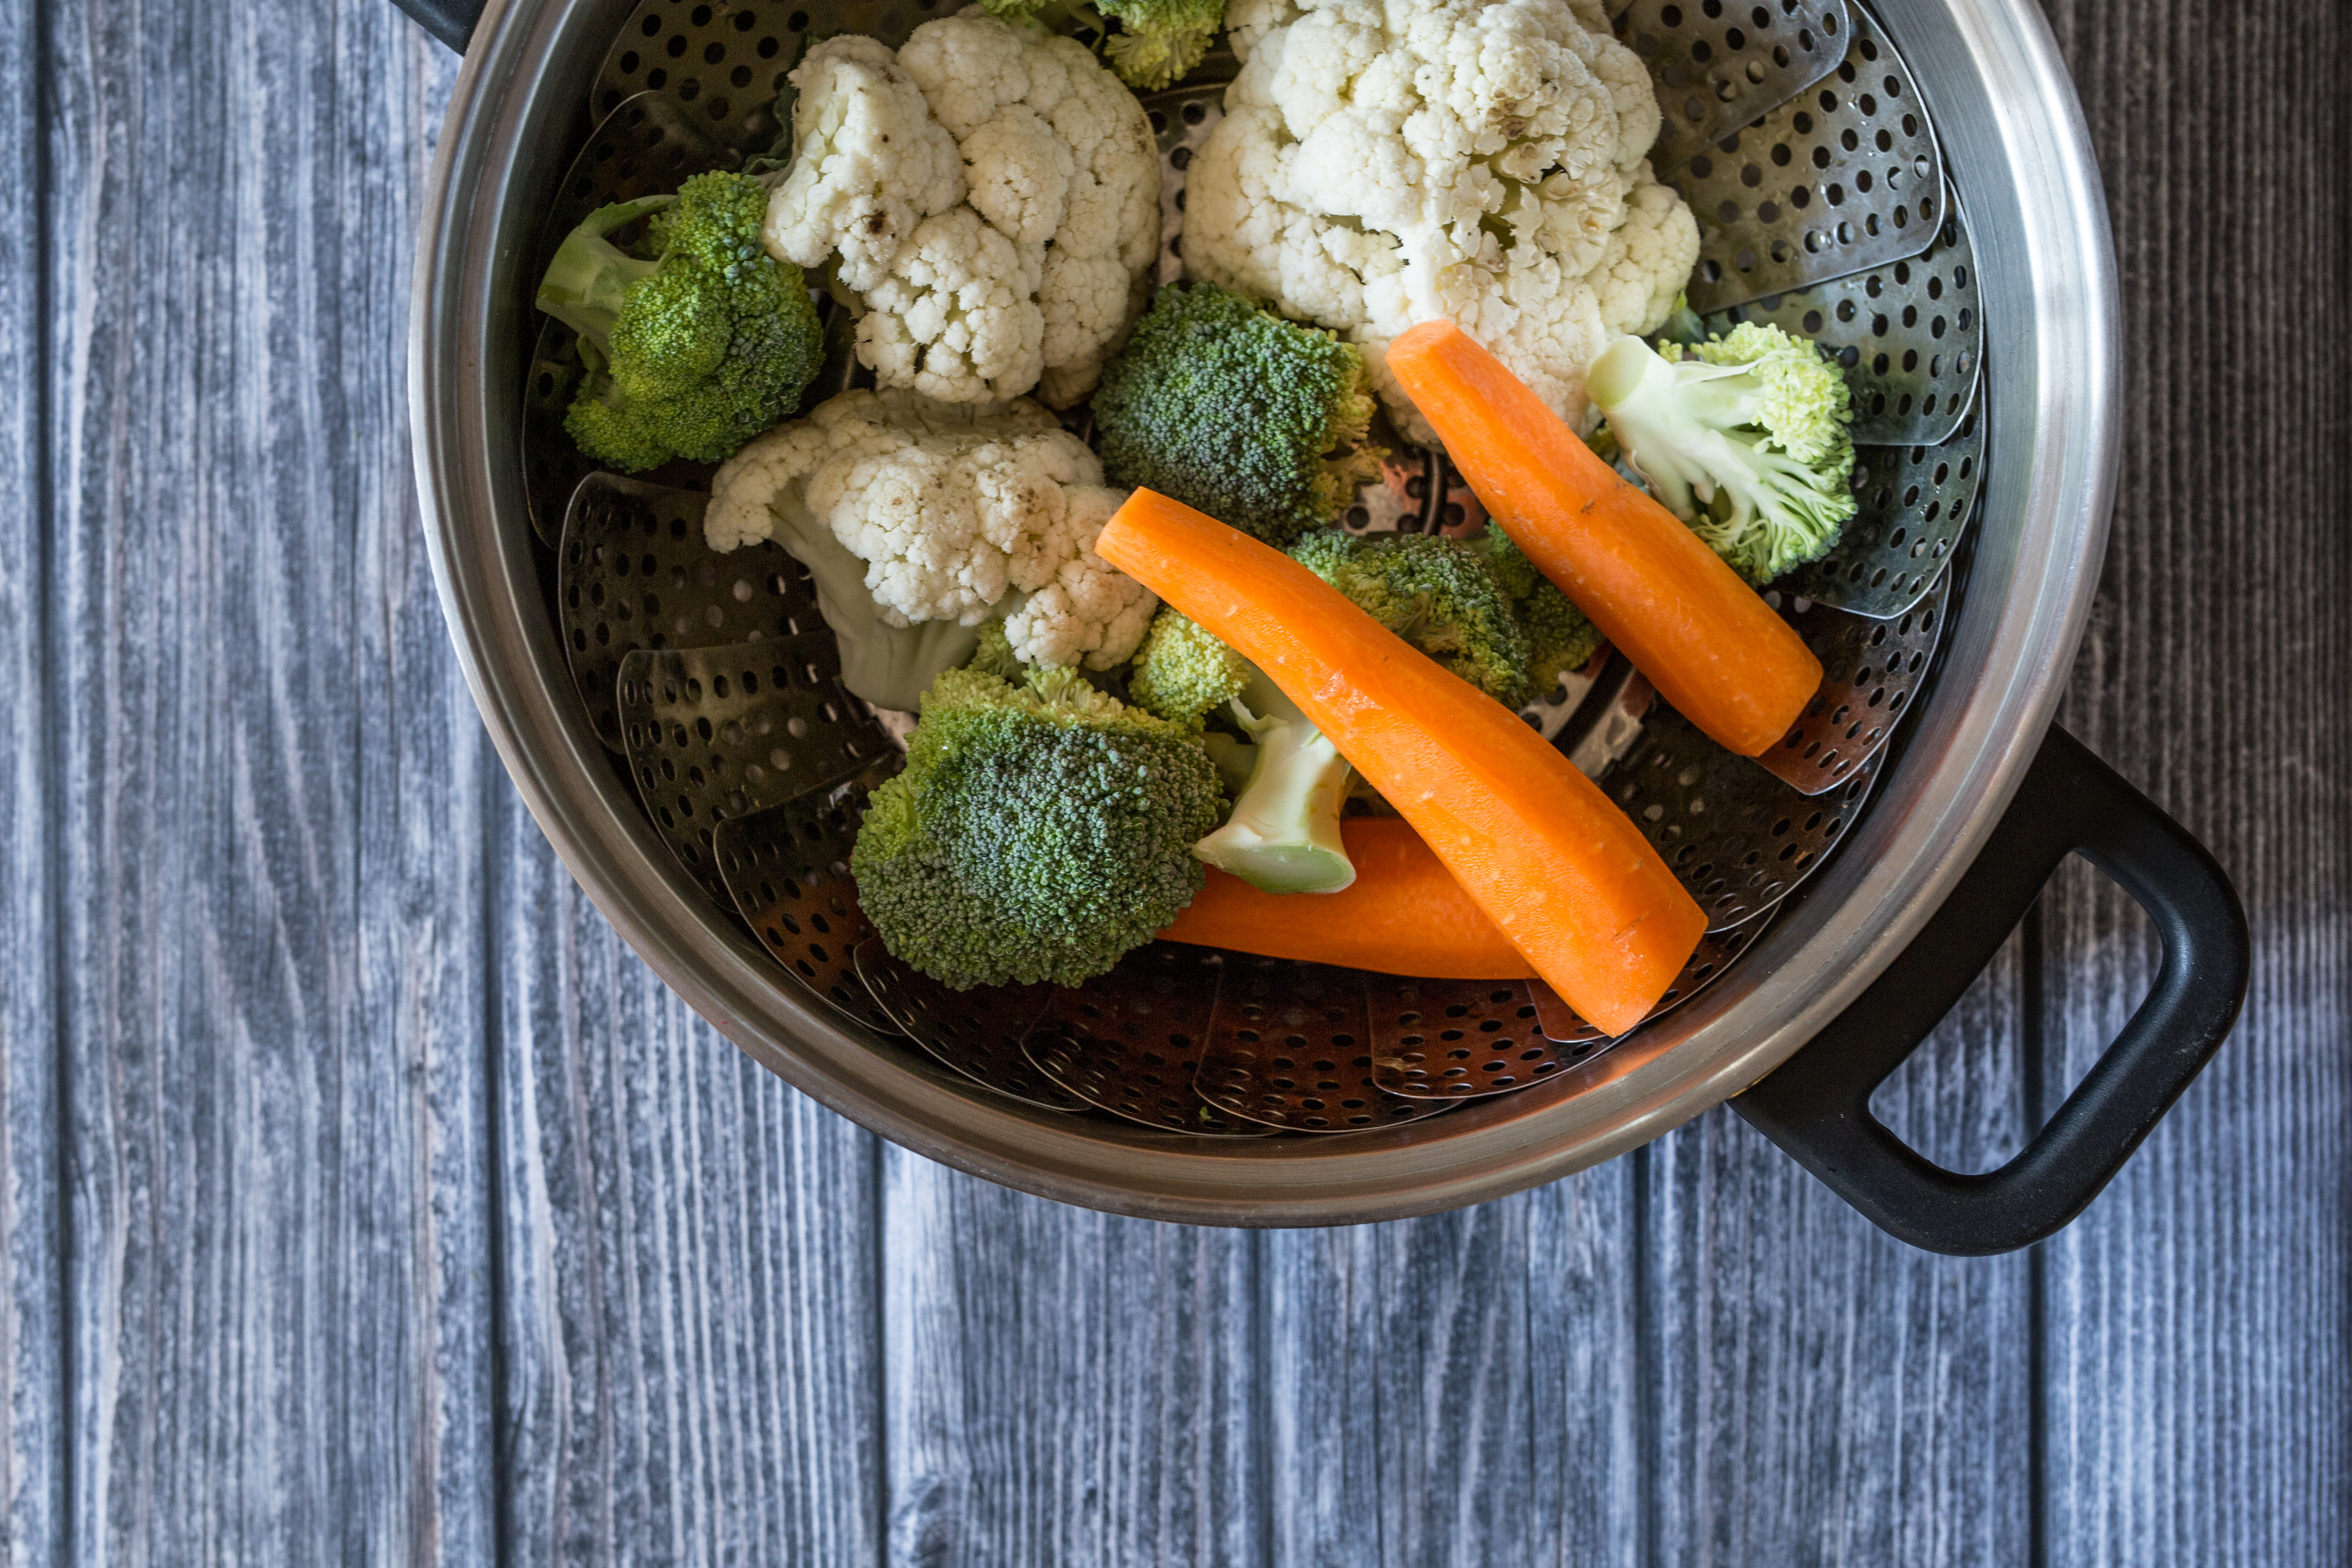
(1038, 832)
(1750, 443)
(693, 352)
(1284, 833)
(1231, 409)
(1560, 638)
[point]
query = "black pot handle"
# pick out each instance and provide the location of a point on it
(1816, 1105)
(451, 21)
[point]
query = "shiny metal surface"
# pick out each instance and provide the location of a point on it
(2006, 119)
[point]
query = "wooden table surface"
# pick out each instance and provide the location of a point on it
(362, 1200)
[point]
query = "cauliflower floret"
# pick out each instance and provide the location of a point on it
(1380, 165)
(993, 195)
(1091, 612)
(957, 512)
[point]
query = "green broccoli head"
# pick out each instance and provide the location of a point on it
(1257, 422)
(696, 350)
(1560, 638)
(1159, 41)
(1181, 673)
(1749, 442)
(1038, 832)
(1440, 595)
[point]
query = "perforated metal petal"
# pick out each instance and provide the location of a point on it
(1129, 1042)
(1455, 1039)
(1845, 177)
(1181, 119)
(1913, 503)
(976, 1032)
(634, 573)
(787, 869)
(725, 61)
(1291, 1048)
(1910, 335)
(1718, 65)
(1713, 956)
(1739, 840)
(1870, 669)
(715, 733)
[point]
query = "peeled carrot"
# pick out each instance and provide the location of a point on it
(1405, 914)
(1707, 640)
(1559, 869)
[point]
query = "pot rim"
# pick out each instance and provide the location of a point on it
(2003, 100)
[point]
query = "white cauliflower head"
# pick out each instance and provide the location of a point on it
(958, 512)
(992, 194)
(1383, 162)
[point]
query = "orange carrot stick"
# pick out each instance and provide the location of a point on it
(1559, 869)
(1706, 639)
(1405, 914)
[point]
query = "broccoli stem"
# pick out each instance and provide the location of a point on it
(1284, 833)
(589, 276)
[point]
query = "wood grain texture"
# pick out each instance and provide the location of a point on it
(1820, 1392)
(271, 854)
(2198, 1369)
(1462, 1388)
(32, 1390)
(1065, 1387)
(689, 1324)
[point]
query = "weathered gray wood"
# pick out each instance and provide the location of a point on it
(1066, 1387)
(689, 1327)
(2197, 1375)
(32, 1426)
(270, 835)
(1820, 1392)
(1462, 1388)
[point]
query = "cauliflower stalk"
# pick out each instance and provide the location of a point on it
(955, 513)
(990, 194)
(1384, 162)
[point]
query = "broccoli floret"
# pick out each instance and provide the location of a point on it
(1440, 595)
(1284, 833)
(1560, 636)
(1181, 673)
(1257, 422)
(1039, 831)
(1158, 41)
(1750, 443)
(696, 350)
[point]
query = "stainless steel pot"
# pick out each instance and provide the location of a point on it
(1844, 983)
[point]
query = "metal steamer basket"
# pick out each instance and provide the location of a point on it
(673, 717)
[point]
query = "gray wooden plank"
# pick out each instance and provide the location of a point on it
(2197, 1367)
(689, 1325)
(32, 1427)
(1065, 1387)
(1821, 1393)
(1462, 1388)
(270, 836)
(1459, 1388)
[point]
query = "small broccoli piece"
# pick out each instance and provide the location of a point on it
(1750, 443)
(1038, 832)
(1158, 42)
(1182, 673)
(1284, 833)
(1259, 423)
(1440, 595)
(1560, 636)
(691, 354)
